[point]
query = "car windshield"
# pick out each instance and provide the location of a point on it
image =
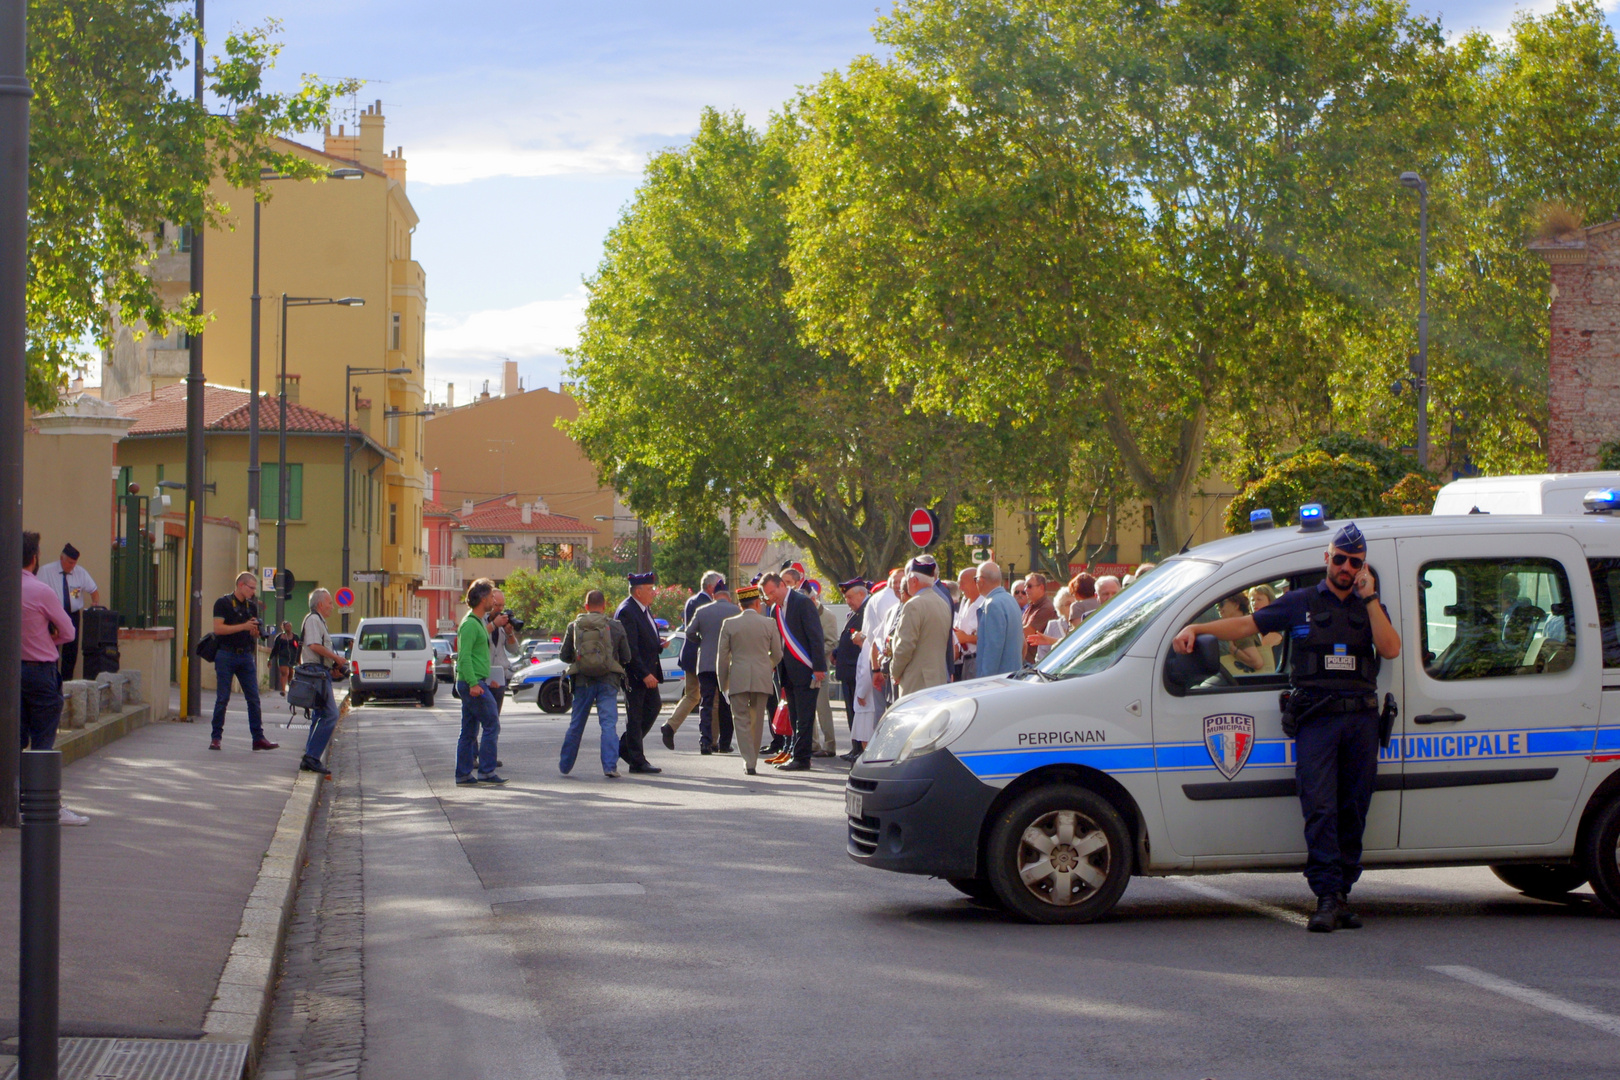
(1105, 636)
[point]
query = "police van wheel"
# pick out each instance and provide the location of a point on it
(1059, 854)
(553, 697)
(975, 889)
(1547, 881)
(1602, 856)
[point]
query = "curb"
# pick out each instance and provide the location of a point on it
(75, 743)
(240, 1012)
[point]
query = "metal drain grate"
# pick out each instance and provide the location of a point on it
(148, 1059)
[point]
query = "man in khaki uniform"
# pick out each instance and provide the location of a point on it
(827, 744)
(750, 648)
(923, 636)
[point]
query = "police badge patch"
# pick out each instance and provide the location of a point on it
(1229, 737)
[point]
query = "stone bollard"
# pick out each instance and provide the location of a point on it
(76, 703)
(106, 702)
(123, 695)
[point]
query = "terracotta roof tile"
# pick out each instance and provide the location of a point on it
(433, 509)
(225, 408)
(750, 549)
(503, 518)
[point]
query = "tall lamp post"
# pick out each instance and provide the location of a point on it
(281, 452)
(1420, 366)
(348, 498)
(253, 369)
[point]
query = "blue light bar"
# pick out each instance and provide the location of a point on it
(1261, 519)
(1311, 518)
(1602, 501)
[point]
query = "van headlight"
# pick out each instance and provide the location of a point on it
(908, 732)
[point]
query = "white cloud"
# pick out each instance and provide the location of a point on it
(469, 348)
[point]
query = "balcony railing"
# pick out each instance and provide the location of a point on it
(443, 577)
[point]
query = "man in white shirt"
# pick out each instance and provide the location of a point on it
(967, 625)
(77, 588)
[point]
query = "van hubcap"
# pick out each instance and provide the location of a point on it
(1063, 857)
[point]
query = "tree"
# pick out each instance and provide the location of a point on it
(1347, 487)
(683, 556)
(699, 395)
(116, 149)
(1148, 211)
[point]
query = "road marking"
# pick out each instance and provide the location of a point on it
(1259, 907)
(517, 893)
(1540, 999)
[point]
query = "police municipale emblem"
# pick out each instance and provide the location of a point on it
(1229, 738)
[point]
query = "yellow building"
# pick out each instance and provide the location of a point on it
(1134, 538)
(319, 239)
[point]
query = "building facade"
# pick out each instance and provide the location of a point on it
(326, 239)
(1583, 377)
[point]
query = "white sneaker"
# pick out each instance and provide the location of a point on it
(68, 817)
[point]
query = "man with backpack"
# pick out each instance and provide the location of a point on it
(596, 650)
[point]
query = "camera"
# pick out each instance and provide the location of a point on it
(513, 623)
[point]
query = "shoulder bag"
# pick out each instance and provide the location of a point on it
(308, 686)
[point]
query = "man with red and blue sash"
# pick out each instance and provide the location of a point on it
(804, 663)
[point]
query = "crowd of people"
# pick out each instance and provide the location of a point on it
(759, 661)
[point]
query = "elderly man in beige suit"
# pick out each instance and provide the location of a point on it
(923, 635)
(745, 663)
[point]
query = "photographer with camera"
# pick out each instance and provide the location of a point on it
(504, 627)
(236, 632)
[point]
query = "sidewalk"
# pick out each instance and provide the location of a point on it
(154, 888)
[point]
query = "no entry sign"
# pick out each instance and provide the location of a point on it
(924, 527)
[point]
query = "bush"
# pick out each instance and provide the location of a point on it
(549, 599)
(1346, 486)
(1413, 495)
(1392, 465)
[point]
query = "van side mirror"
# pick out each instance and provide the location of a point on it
(1182, 672)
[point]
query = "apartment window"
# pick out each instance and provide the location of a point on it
(393, 431)
(486, 551)
(270, 488)
(185, 238)
(393, 331)
(393, 523)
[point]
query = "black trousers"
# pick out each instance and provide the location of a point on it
(70, 649)
(802, 710)
(848, 687)
(1336, 766)
(709, 696)
(641, 705)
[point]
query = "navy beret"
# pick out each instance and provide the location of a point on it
(636, 580)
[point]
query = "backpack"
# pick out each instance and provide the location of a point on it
(593, 646)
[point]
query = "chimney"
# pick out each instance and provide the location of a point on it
(509, 379)
(528, 514)
(466, 507)
(450, 396)
(485, 395)
(541, 506)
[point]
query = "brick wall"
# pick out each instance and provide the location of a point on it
(1584, 362)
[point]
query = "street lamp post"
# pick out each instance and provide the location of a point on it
(281, 452)
(253, 370)
(1420, 369)
(348, 498)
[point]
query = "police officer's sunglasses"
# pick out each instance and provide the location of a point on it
(1356, 562)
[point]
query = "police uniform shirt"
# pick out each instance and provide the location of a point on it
(77, 586)
(1289, 613)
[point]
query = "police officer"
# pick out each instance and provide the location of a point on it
(1339, 632)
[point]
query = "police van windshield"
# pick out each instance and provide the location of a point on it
(1105, 636)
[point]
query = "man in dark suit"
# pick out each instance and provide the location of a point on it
(804, 663)
(643, 673)
(848, 652)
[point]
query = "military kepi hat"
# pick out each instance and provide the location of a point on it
(637, 580)
(1349, 539)
(924, 565)
(747, 592)
(853, 583)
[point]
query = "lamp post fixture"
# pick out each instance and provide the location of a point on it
(1420, 365)
(349, 373)
(281, 452)
(253, 370)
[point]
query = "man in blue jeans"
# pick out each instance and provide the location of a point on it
(596, 649)
(236, 629)
(472, 686)
(318, 650)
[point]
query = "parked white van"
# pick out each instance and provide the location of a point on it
(392, 658)
(1543, 493)
(1124, 758)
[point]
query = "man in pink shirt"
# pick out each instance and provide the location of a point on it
(45, 626)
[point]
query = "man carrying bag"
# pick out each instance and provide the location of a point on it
(312, 682)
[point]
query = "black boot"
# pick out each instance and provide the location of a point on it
(1326, 919)
(1348, 919)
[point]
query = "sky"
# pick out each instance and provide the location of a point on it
(526, 124)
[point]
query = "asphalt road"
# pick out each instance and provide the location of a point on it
(706, 924)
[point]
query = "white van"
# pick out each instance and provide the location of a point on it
(1543, 493)
(392, 658)
(1048, 789)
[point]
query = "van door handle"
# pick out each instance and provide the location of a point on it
(1439, 718)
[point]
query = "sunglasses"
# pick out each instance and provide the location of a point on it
(1356, 562)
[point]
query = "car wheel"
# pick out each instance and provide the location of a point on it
(356, 698)
(1059, 854)
(976, 889)
(1546, 881)
(555, 696)
(426, 698)
(1602, 856)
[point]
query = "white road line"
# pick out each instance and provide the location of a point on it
(1540, 999)
(1259, 907)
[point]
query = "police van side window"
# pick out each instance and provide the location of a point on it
(1254, 662)
(1606, 583)
(1492, 618)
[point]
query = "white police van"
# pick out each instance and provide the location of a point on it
(1047, 789)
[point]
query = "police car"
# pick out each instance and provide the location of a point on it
(1046, 790)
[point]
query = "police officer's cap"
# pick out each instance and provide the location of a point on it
(1350, 540)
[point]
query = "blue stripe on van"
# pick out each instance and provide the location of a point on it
(1109, 759)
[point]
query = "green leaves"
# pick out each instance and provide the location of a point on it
(117, 149)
